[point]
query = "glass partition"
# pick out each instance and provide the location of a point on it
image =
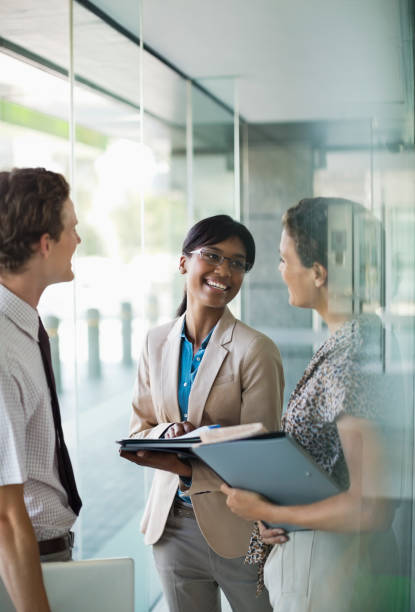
(278, 173)
(107, 183)
(370, 161)
(130, 185)
(213, 169)
(213, 156)
(140, 176)
(131, 198)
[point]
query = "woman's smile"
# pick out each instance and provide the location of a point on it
(216, 285)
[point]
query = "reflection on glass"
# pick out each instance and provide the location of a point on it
(370, 264)
(123, 288)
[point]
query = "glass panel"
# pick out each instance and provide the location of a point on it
(213, 157)
(280, 173)
(127, 277)
(395, 198)
(213, 175)
(132, 192)
(370, 265)
(110, 175)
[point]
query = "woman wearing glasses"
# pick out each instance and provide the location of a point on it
(204, 368)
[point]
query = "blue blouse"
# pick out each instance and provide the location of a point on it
(188, 368)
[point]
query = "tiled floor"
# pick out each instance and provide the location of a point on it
(113, 490)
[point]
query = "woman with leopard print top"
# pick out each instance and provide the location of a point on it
(333, 414)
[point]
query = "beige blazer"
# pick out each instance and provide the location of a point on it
(240, 380)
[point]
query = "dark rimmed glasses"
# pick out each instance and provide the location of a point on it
(216, 259)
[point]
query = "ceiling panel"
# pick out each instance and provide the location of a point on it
(286, 60)
(292, 60)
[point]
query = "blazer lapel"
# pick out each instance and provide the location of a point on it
(212, 360)
(170, 373)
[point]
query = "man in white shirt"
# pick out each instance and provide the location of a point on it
(38, 497)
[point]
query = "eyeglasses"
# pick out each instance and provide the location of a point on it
(215, 259)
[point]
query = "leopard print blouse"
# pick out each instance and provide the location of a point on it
(336, 382)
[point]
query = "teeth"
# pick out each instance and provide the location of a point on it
(216, 285)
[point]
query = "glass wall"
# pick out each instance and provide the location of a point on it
(72, 100)
(371, 161)
(148, 153)
(214, 189)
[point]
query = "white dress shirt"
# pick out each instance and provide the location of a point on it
(27, 432)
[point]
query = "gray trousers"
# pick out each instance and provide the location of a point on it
(192, 573)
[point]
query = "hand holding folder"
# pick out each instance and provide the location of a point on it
(271, 464)
(168, 454)
(171, 454)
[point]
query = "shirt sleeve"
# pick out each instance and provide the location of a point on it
(12, 430)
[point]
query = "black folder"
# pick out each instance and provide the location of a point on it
(180, 446)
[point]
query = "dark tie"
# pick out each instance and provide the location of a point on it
(64, 462)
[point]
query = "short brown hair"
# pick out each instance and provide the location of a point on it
(307, 224)
(31, 202)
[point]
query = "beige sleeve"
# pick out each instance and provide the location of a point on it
(262, 392)
(143, 422)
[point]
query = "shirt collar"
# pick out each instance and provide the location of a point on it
(205, 341)
(19, 311)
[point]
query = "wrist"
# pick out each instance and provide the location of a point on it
(186, 471)
(271, 513)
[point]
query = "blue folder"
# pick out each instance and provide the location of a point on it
(271, 464)
(274, 465)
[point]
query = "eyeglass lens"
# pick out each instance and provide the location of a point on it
(217, 259)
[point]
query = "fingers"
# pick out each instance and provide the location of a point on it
(275, 540)
(170, 432)
(151, 459)
(226, 489)
(270, 531)
(161, 461)
(179, 429)
(175, 430)
(272, 535)
(133, 457)
(126, 455)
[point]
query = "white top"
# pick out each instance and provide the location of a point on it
(27, 432)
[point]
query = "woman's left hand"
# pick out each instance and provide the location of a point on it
(272, 535)
(168, 462)
(247, 504)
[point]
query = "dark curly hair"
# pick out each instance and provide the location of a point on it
(211, 231)
(307, 224)
(31, 201)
